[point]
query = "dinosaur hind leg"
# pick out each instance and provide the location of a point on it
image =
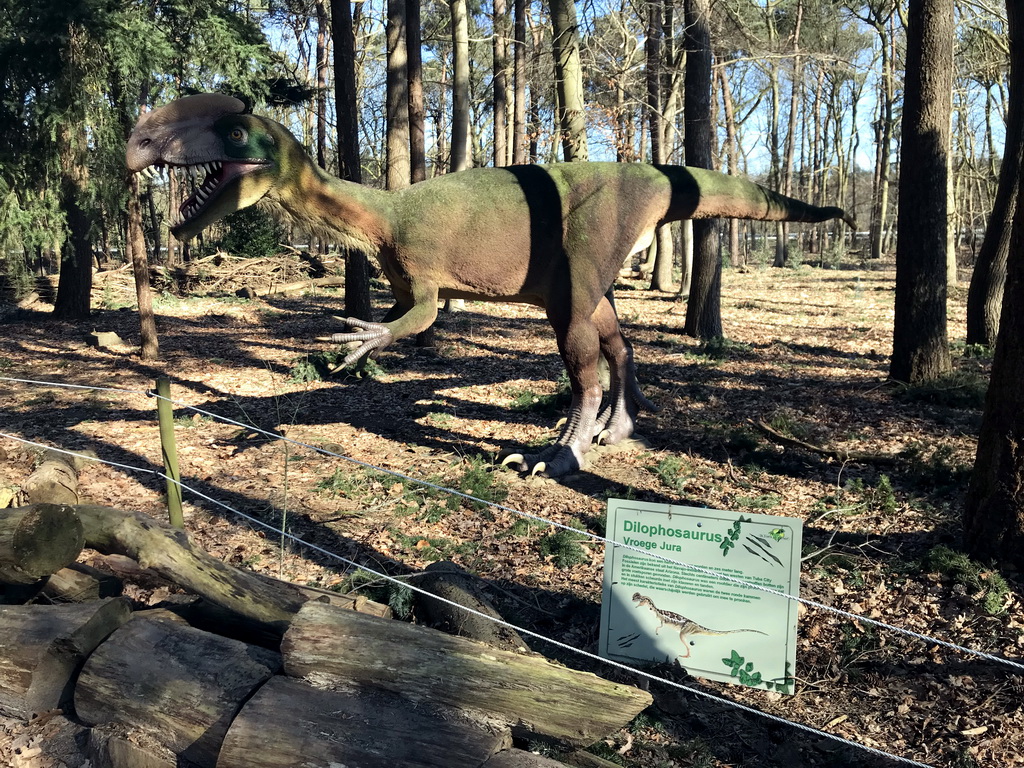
(579, 343)
(617, 419)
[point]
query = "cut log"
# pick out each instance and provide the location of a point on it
(289, 723)
(79, 582)
(533, 695)
(43, 646)
(55, 480)
(37, 540)
(446, 579)
(179, 685)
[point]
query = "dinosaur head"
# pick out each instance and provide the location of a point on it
(239, 156)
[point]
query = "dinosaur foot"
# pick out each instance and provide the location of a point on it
(554, 461)
(372, 338)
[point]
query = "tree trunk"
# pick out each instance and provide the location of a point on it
(334, 646)
(74, 286)
(994, 513)
(417, 110)
(519, 82)
(290, 723)
(920, 343)
(500, 54)
(357, 268)
(732, 152)
(321, 83)
(398, 169)
(569, 80)
(460, 86)
(661, 269)
(150, 342)
(703, 311)
(796, 85)
(985, 295)
(883, 136)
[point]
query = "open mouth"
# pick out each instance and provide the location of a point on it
(215, 176)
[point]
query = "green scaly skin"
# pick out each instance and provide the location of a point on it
(553, 236)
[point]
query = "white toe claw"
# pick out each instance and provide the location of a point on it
(512, 457)
(540, 466)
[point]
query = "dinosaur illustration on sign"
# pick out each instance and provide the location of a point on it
(687, 627)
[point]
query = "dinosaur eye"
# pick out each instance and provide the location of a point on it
(238, 135)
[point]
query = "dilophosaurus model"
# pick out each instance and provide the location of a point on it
(687, 627)
(553, 236)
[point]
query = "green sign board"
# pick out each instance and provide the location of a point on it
(657, 609)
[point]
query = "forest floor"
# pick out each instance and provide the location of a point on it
(806, 354)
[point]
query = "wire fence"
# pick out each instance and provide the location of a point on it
(1016, 666)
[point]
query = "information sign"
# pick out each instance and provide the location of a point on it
(657, 609)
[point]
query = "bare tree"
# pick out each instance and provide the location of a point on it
(460, 85)
(569, 80)
(985, 295)
(519, 80)
(920, 343)
(417, 109)
(398, 168)
(500, 56)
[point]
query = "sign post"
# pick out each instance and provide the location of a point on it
(668, 603)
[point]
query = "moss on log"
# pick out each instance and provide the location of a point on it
(533, 695)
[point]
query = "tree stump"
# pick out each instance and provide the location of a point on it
(176, 684)
(533, 695)
(42, 647)
(37, 540)
(289, 723)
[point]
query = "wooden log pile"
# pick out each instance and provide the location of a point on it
(245, 671)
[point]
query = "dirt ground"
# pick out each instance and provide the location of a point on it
(806, 356)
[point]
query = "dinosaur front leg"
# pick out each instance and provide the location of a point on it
(398, 323)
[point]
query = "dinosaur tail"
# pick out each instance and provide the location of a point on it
(702, 194)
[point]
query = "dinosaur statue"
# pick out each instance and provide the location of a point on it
(553, 236)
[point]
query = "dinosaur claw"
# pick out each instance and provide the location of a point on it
(512, 458)
(561, 422)
(602, 437)
(539, 467)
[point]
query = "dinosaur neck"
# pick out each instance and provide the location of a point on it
(351, 214)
